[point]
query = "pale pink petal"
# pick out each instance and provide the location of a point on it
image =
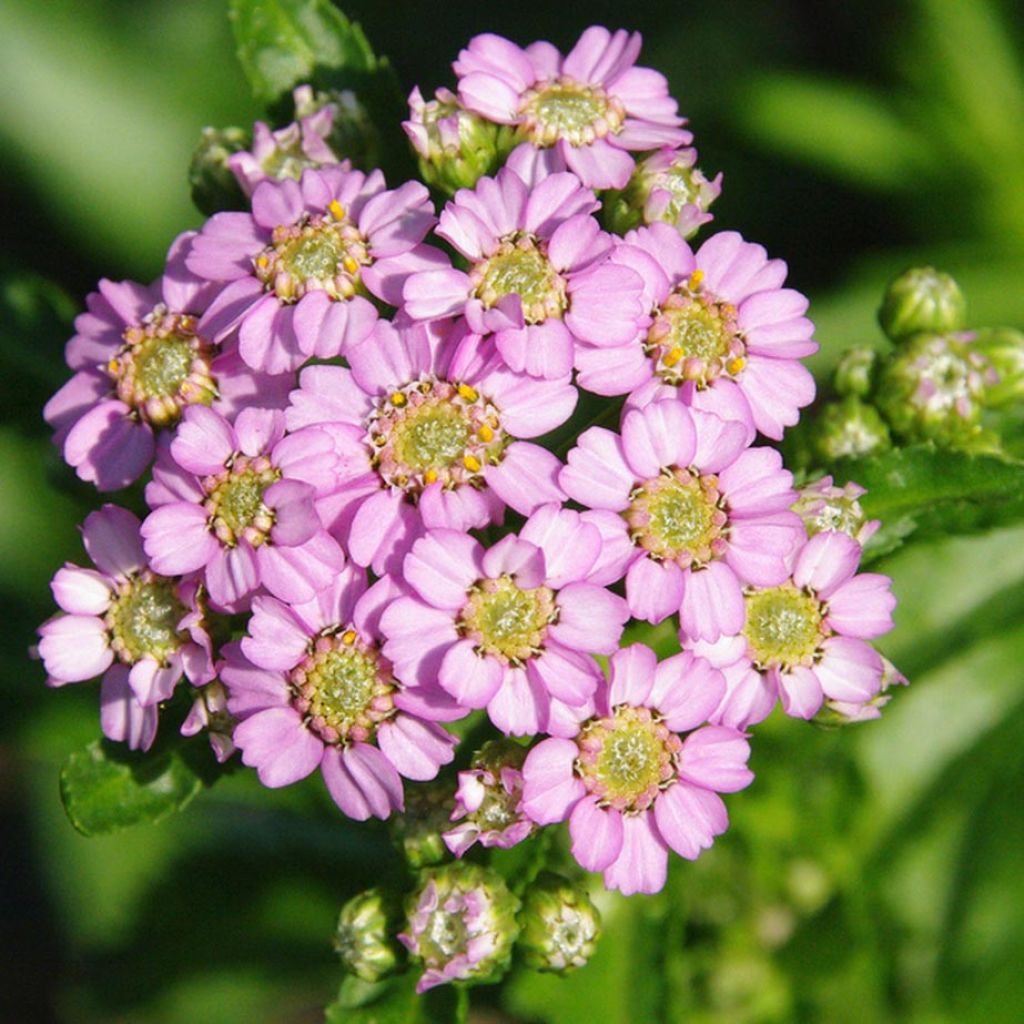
(550, 788)
(442, 566)
(716, 757)
(800, 692)
(417, 749)
(827, 561)
(122, 717)
(74, 648)
(81, 591)
(654, 590)
(596, 834)
(111, 537)
(657, 437)
(590, 619)
(567, 675)
(642, 864)
(712, 604)
(521, 706)
(686, 691)
(570, 544)
(362, 781)
(850, 670)
(632, 675)
(177, 540)
(471, 678)
(597, 474)
(203, 442)
(277, 638)
(862, 607)
(278, 746)
(756, 483)
(689, 818)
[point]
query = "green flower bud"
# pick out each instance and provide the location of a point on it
(461, 923)
(351, 132)
(1003, 347)
(455, 146)
(667, 187)
(933, 387)
(825, 507)
(848, 428)
(418, 829)
(365, 938)
(560, 925)
(921, 300)
(213, 183)
(855, 373)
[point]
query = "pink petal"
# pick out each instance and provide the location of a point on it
(278, 746)
(596, 834)
(362, 781)
(526, 477)
(776, 390)
(471, 678)
(851, 670)
(654, 590)
(550, 789)
(755, 483)
(111, 537)
(203, 442)
(642, 864)
(800, 692)
(555, 200)
(632, 675)
(566, 675)
(686, 691)
(657, 437)
(591, 619)
(177, 540)
(827, 561)
(712, 603)
(81, 591)
(517, 558)
(570, 544)
(862, 607)
(597, 474)
(521, 706)
(108, 448)
(277, 638)
(689, 818)
(122, 717)
(599, 165)
(74, 648)
(605, 305)
(542, 350)
(442, 566)
(232, 575)
(716, 758)
(417, 749)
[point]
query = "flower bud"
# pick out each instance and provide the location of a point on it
(827, 508)
(667, 187)
(835, 713)
(365, 937)
(855, 373)
(461, 923)
(455, 147)
(342, 121)
(210, 712)
(212, 181)
(428, 811)
(921, 300)
(560, 925)
(933, 388)
(487, 802)
(848, 428)
(1003, 347)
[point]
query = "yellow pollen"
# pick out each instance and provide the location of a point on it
(113, 366)
(468, 393)
(485, 432)
(672, 357)
(398, 399)
(350, 264)
(696, 278)
(430, 477)
(337, 210)
(735, 365)
(262, 261)
(472, 463)
(349, 637)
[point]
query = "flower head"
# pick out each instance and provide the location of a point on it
(538, 282)
(312, 689)
(560, 925)
(720, 331)
(584, 112)
(696, 514)
(461, 924)
(365, 936)
(301, 270)
(630, 783)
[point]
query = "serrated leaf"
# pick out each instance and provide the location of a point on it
(284, 42)
(924, 491)
(105, 788)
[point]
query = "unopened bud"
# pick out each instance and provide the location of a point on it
(849, 428)
(344, 123)
(932, 389)
(417, 830)
(921, 300)
(365, 938)
(455, 147)
(826, 508)
(560, 925)
(855, 373)
(214, 187)
(1003, 347)
(461, 923)
(668, 187)
(210, 712)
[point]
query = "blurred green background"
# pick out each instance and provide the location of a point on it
(872, 874)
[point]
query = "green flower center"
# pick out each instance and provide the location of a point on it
(143, 620)
(434, 431)
(566, 109)
(343, 688)
(163, 367)
(321, 253)
(694, 337)
(627, 759)
(678, 516)
(506, 621)
(235, 503)
(520, 266)
(784, 627)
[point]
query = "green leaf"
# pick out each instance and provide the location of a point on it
(394, 1002)
(105, 787)
(927, 492)
(284, 42)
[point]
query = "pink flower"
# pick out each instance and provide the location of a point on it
(311, 689)
(142, 632)
(584, 112)
(140, 359)
(511, 628)
(720, 332)
(210, 712)
(426, 434)
(804, 640)
(299, 269)
(700, 514)
(237, 503)
(289, 151)
(630, 786)
(539, 282)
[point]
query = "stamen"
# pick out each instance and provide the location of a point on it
(784, 627)
(520, 266)
(569, 110)
(234, 500)
(506, 621)
(143, 619)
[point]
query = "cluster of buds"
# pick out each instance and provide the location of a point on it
(342, 433)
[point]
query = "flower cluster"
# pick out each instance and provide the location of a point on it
(368, 478)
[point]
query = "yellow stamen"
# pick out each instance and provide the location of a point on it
(735, 365)
(673, 356)
(113, 366)
(472, 463)
(696, 278)
(337, 210)
(349, 637)
(261, 262)
(430, 477)
(468, 393)
(485, 432)
(398, 399)
(350, 264)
